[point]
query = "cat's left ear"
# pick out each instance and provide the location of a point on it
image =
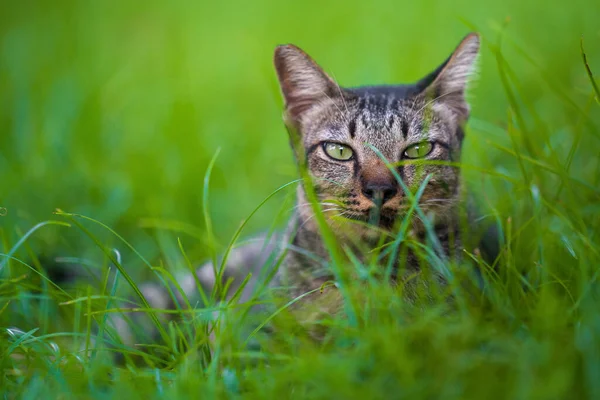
(447, 84)
(303, 83)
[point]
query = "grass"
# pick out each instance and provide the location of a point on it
(114, 113)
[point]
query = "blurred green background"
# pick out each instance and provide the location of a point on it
(114, 109)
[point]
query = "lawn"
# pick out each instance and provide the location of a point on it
(155, 128)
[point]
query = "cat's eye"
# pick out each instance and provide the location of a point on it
(418, 150)
(338, 151)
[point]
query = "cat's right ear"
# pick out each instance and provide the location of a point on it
(303, 83)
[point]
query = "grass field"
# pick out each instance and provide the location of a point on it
(114, 110)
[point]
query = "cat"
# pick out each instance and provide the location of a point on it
(347, 139)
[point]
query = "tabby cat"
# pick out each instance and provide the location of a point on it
(355, 143)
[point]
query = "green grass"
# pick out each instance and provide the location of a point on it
(113, 114)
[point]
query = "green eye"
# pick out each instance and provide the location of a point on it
(338, 151)
(418, 150)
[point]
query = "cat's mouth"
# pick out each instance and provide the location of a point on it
(375, 216)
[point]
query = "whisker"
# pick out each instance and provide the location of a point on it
(438, 201)
(336, 106)
(341, 96)
(305, 221)
(325, 180)
(323, 204)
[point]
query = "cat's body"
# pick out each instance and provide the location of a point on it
(363, 151)
(344, 138)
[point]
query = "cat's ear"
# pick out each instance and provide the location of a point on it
(448, 83)
(303, 83)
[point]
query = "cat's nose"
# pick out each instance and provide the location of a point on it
(379, 193)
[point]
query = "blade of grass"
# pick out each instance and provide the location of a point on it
(30, 232)
(19, 340)
(210, 238)
(588, 70)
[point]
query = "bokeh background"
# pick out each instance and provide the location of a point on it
(114, 109)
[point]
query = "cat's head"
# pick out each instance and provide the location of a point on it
(409, 125)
